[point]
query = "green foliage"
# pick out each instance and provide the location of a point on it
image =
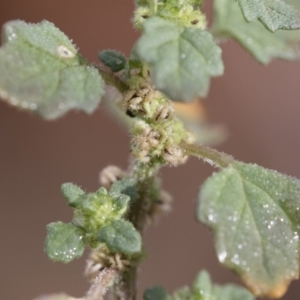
(120, 236)
(41, 71)
(202, 289)
(274, 14)
(113, 59)
(261, 43)
(64, 242)
(125, 186)
(254, 213)
(156, 293)
(97, 219)
(71, 192)
(182, 59)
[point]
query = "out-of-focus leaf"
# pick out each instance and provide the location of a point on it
(261, 43)
(274, 14)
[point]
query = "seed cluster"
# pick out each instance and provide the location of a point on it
(156, 132)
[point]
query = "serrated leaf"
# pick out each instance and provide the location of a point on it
(156, 293)
(121, 237)
(273, 14)
(41, 71)
(71, 192)
(55, 297)
(113, 59)
(182, 59)
(261, 43)
(255, 215)
(64, 242)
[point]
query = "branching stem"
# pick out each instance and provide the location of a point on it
(212, 156)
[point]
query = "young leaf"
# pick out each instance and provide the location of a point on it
(156, 293)
(255, 215)
(113, 59)
(182, 59)
(126, 187)
(64, 242)
(274, 14)
(41, 71)
(71, 192)
(261, 43)
(121, 237)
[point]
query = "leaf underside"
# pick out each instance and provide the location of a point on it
(255, 215)
(262, 44)
(273, 14)
(182, 59)
(41, 71)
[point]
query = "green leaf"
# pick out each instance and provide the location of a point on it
(41, 71)
(261, 43)
(204, 290)
(113, 59)
(125, 186)
(255, 215)
(71, 192)
(182, 59)
(155, 293)
(64, 242)
(273, 14)
(121, 237)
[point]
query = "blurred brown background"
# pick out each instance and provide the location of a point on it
(259, 105)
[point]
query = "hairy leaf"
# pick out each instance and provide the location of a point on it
(121, 237)
(64, 242)
(113, 59)
(255, 215)
(261, 43)
(182, 59)
(274, 14)
(126, 187)
(41, 71)
(71, 192)
(205, 290)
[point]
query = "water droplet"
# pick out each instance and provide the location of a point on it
(183, 56)
(118, 61)
(24, 104)
(222, 256)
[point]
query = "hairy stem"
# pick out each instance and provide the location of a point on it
(145, 175)
(111, 79)
(101, 284)
(212, 156)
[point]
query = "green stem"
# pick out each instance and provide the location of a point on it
(212, 156)
(145, 176)
(111, 79)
